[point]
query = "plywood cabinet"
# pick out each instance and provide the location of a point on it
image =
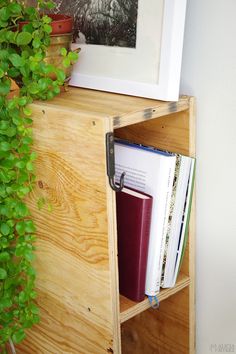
(77, 272)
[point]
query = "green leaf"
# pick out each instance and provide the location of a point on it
(5, 229)
(49, 5)
(36, 319)
(5, 86)
(29, 226)
(27, 111)
(4, 54)
(4, 303)
(22, 210)
(31, 272)
(23, 297)
(11, 37)
(2, 100)
(3, 274)
(30, 166)
(11, 131)
(4, 124)
(31, 11)
(29, 256)
(36, 43)
(24, 148)
(28, 28)
(56, 90)
(66, 62)
(5, 66)
(50, 95)
(13, 72)
(3, 24)
(20, 164)
(33, 88)
(5, 146)
(34, 66)
(16, 60)
(61, 75)
(20, 227)
(23, 38)
(4, 256)
(4, 242)
(33, 156)
(22, 101)
(2, 73)
(46, 19)
(27, 140)
(73, 56)
(14, 8)
(4, 14)
(33, 294)
(18, 336)
(47, 28)
(23, 191)
(34, 309)
(38, 57)
(63, 52)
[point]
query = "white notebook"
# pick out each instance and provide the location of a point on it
(150, 171)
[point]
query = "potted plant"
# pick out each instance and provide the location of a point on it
(60, 39)
(23, 54)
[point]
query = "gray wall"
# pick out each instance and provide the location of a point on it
(209, 73)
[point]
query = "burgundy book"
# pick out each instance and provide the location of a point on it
(133, 227)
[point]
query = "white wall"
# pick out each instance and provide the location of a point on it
(209, 73)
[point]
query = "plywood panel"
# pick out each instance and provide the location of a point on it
(73, 265)
(129, 308)
(121, 110)
(175, 132)
(76, 248)
(163, 331)
(170, 132)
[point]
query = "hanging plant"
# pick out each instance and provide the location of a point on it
(22, 58)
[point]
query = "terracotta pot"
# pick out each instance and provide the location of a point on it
(60, 37)
(53, 53)
(60, 24)
(54, 57)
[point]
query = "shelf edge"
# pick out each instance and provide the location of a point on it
(144, 305)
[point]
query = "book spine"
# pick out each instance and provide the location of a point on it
(143, 246)
(184, 236)
(166, 219)
(170, 219)
(176, 222)
(156, 245)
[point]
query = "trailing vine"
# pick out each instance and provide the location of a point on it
(22, 55)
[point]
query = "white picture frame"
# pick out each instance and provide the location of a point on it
(166, 86)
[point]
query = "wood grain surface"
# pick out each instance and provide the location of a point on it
(130, 308)
(77, 272)
(121, 110)
(174, 132)
(162, 331)
(73, 267)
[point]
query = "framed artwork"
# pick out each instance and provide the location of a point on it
(132, 47)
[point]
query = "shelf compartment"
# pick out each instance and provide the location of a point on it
(129, 308)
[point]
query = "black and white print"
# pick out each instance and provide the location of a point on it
(102, 22)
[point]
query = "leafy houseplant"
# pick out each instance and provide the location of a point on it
(22, 58)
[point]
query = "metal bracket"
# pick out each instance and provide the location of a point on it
(111, 164)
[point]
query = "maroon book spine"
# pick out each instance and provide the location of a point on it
(133, 228)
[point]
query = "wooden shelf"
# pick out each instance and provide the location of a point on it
(80, 307)
(129, 308)
(123, 111)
